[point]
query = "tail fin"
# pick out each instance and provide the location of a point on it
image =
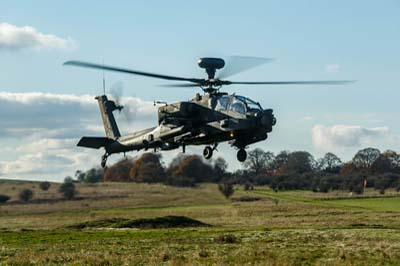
(106, 109)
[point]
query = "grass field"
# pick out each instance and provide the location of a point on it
(284, 228)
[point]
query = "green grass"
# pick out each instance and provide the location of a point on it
(284, 228)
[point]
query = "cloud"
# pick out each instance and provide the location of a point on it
(18, 38)
(332, 68)
(347, 136)
(39, 132)
(306, 119)
(36, 114)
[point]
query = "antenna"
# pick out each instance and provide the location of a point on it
(104, 82)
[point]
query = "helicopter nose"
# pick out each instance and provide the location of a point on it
(267, 119)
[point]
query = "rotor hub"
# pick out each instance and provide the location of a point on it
(211, 64)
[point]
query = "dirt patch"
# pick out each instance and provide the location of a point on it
(247, 199)
(148, 223)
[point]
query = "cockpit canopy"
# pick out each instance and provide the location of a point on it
(238, 104)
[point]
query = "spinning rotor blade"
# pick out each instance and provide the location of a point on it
(128, 71)
(237, 64)
(116, 91)
(307, 82)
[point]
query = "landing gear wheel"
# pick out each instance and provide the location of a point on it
(104, 160)
(241, 155)
(207, 152)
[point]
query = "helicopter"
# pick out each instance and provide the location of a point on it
(207, 119)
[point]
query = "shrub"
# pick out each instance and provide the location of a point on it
(4, 198)
(248, 186)
(226, 189)
(358, 189)
(44, 186)
(227, 239)
(68, 190)
(180, 181)
(26, 195)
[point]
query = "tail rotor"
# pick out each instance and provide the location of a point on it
(128, 111)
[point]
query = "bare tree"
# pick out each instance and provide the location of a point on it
(365, 158)
(329, 163)
(259, 160)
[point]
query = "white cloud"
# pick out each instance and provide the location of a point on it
(36, 114)
(39, 132)
(17, 38)
(332, 68)
(348, 136)
(306, 119)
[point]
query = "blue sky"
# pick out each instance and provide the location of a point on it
(309, 39)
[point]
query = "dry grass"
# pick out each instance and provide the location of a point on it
(288, 228)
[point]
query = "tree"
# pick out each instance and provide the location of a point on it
(191, 166)
(45, 185)
(226, 189)
(298, 162)
(94, 175)
(388, 161)
(80, 175)
(148, 168)
(220, 166)
(330, 163)
(68, 179)
(68, 190)
(259, 160)
(119, 172)
(365, 158)
(280, 160)
(26, 195)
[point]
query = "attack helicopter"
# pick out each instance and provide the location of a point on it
(207, 119)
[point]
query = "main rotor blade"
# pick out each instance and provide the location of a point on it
(307, 82)
(184, 85)
(128, 71)
(237, 64)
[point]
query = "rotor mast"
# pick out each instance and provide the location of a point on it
(210, 64)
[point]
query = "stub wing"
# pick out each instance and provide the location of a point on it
(93, 142)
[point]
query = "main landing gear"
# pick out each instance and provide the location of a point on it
(241, 155)
(104, 160)
(208, 151)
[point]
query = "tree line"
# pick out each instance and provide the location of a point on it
(283, 171)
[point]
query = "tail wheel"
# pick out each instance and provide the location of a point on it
(207, 152)
(241, 155)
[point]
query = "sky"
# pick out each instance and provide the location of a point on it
(46, 107)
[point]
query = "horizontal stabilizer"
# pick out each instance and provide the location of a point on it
(93, 142)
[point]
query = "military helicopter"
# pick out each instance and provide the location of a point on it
(207, 119)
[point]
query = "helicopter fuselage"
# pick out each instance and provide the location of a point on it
(207, 119)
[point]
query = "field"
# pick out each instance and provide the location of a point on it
(284, 228)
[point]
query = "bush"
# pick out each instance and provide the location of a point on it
(26, 195)
(4, 198)
(226, 189)
(227, 239)
(358, 189)
(68, 190)
(44, 186)
(248, 186)
(180, 181)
